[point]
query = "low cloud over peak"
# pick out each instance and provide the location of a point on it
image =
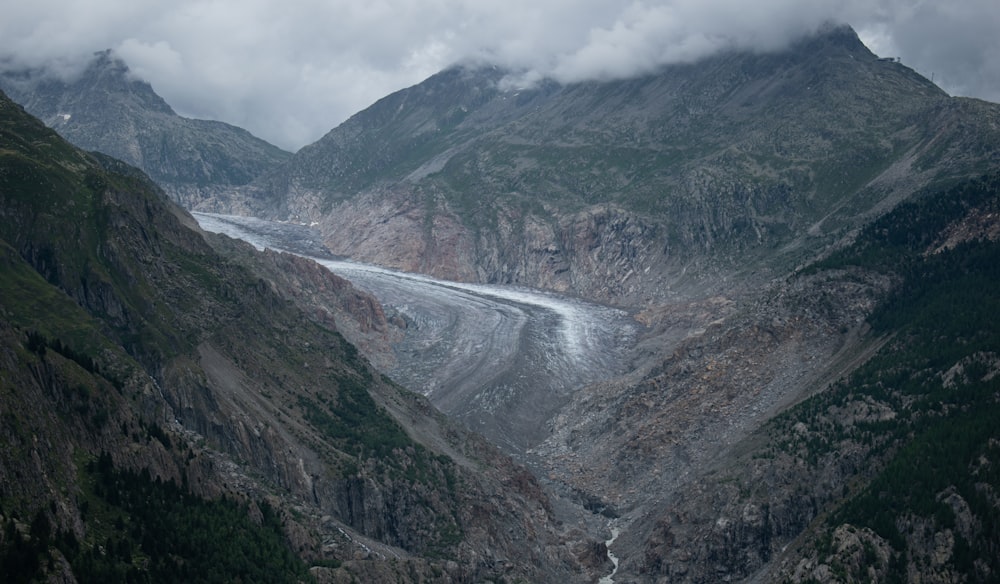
(291, 71)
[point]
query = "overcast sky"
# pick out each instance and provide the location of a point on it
(291, 70)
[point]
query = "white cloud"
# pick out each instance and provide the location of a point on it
(290, 71)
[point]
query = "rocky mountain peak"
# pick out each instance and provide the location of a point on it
(105, 108)
(110, 74)
(104, 87)
(729, 163)
(812, 395)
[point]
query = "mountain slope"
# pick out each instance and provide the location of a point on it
(616, 189)
(924, 410)
(839, 428)
(106, 109)
(695, 196)
(139, 365)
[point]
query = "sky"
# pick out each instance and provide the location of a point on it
(291, 70)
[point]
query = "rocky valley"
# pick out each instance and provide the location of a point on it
(737, 318)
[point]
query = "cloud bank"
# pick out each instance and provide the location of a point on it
(290, 71)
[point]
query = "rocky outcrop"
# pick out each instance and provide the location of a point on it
(612, 254)
(856, 555)
(393, 230)
(329, 299)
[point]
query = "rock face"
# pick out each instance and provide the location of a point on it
(326, 297)
(106, 109)
(130, 344)
(630, 190)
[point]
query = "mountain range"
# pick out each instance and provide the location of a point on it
(614, 191)
(808, 239)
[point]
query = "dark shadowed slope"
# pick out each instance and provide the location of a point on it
(138, 365)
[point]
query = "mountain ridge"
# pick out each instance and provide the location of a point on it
(105, 108)
(699, 164)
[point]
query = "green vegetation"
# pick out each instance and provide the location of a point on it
(938, 376)
(900, 238)
(357, 425)
(139, 529)
(354, 422)
(35, 305)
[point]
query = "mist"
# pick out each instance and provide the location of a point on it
(289, 72)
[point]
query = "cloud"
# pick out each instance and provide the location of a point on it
(955, 42)
(290, 71)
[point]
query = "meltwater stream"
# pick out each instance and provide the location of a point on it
(504, 360)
